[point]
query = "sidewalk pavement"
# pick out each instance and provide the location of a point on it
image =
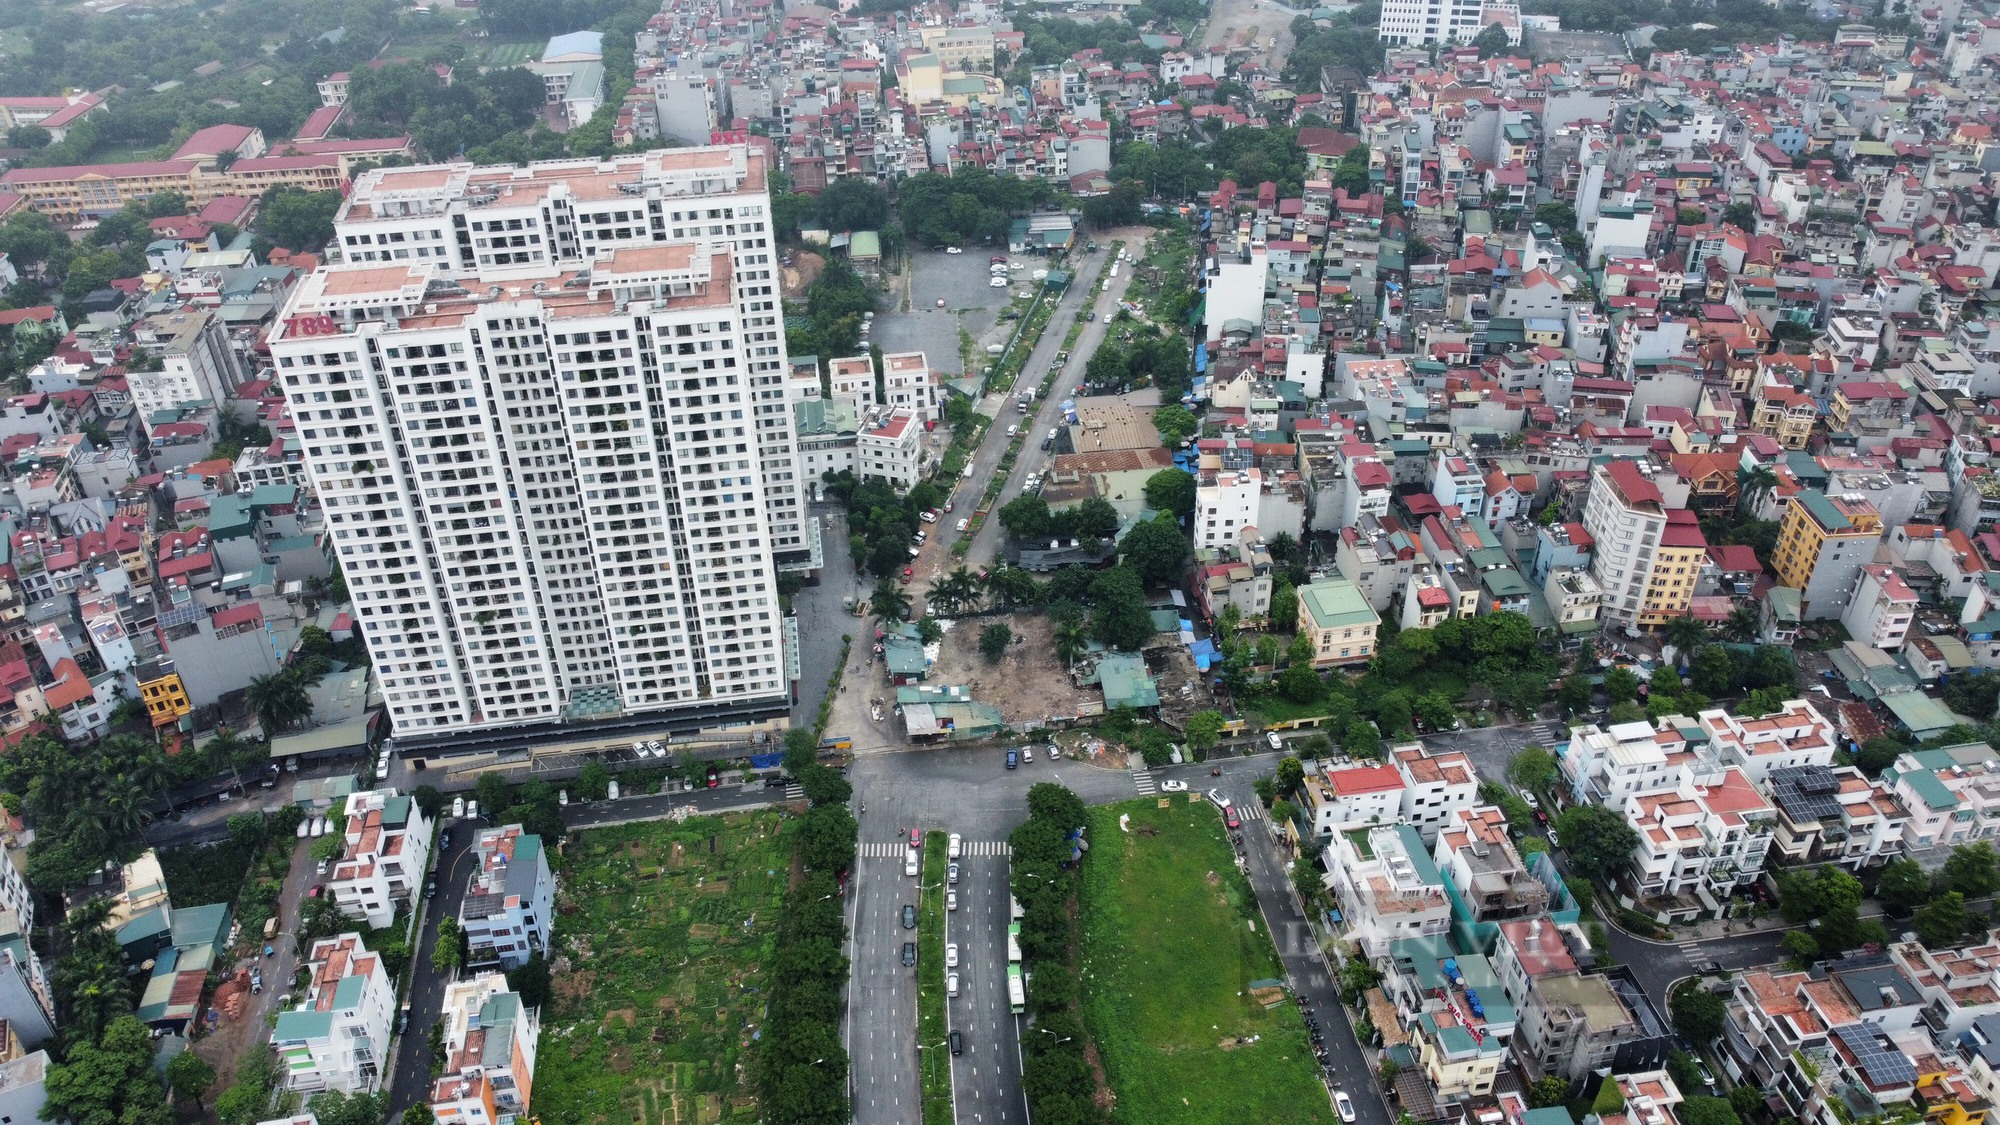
(1713, 929)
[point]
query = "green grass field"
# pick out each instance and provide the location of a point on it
(1169, 951)
(510, 54)
(665, 928)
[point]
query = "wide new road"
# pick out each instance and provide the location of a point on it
(986, 1079)
(972, 793)
(1048, 412)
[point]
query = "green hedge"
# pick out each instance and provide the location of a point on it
(933, 1060)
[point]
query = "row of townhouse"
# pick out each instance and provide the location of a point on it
(339, 1035)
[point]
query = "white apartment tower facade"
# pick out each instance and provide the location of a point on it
(1418, 23)
(1627, 517)
(545, 411)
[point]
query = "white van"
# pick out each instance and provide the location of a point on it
(458, 808)
(964, 523)
(613, 791)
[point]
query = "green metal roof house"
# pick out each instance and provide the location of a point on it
(1336, 617)
(1125, 682)
(947, 712)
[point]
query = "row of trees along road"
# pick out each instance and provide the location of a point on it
(802, 1066)
(1056, 1072)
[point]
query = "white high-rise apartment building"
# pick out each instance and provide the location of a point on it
(544, 409)
(1418, 23)
(1626, 516)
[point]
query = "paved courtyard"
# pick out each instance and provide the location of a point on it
(970, 302)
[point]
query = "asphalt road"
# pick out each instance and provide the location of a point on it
(882, 991)
(971, 303)
(822, 621)
(226, 1047)
(972, 793)
(1078, 299)
(409, 1069)
(986, 1080)
(1491, 748)
(1307, 969)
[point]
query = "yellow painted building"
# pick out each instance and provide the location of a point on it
(1784, 413)
(1822, 543)
(1951, 1098)
(1462, 1061)
(1335, 616)
(166, 697)
(1677, 564)
(91, 191)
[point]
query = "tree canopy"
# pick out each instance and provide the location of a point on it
(1599, 841)
(1697, 1014)
(1171, 491)
(1157, 549)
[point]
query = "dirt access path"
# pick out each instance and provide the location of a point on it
(225, 1047)
(1253, 24)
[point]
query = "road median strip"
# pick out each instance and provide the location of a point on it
(932, 1025)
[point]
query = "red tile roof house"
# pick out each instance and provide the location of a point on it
(82, 706)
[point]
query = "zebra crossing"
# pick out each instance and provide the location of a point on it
(1147, 786)
(896, 850)
(1691, 949)
(794, 792)
(1249, 810)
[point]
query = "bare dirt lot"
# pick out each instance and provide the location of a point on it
(798, 277)
(1028, 684)
(1253, 23)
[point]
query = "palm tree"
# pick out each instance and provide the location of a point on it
(1685, 634)
(225, 750)
(1752, 482)
(124, 807)
(960, 589)
(149, 768)
(1012, 586)
(1742, 624)
(280, 700)
(890, 602)
(1072, 638)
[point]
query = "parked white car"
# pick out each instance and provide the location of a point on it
(1173, 786)
(951, 955)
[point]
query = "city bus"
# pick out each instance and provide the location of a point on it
(1017, 991)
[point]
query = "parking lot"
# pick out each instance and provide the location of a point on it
(970, 301)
